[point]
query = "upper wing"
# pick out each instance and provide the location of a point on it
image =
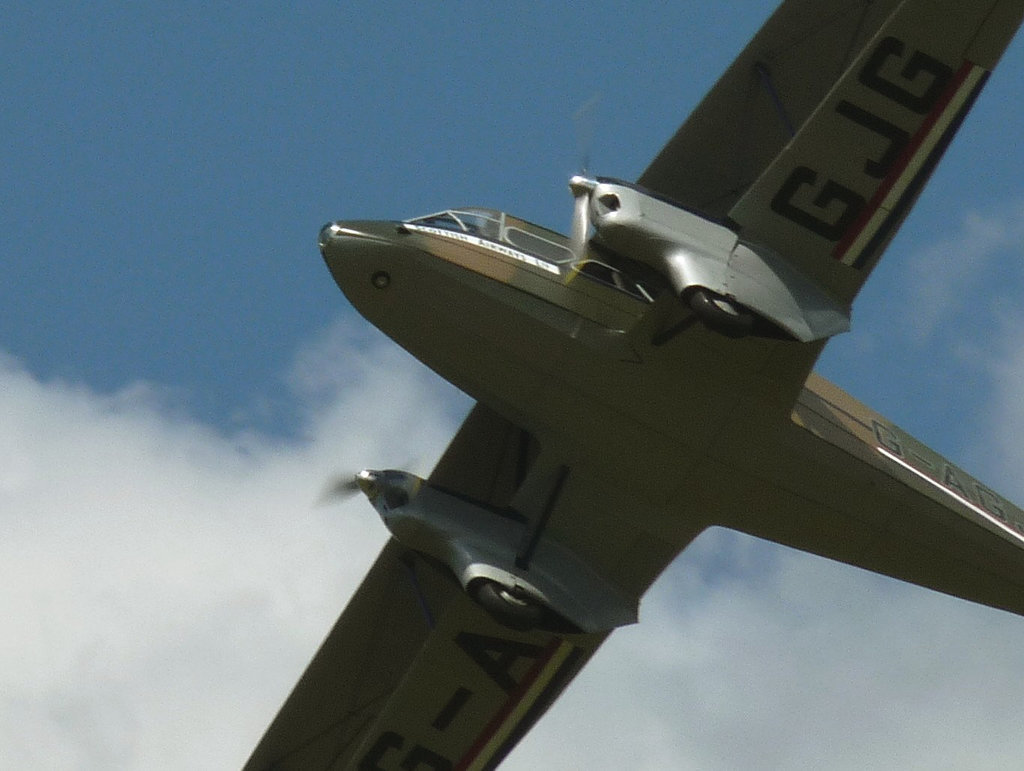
(830, 123)
(767, 93)
(847, 484)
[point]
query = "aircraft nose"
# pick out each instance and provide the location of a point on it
(340, 236)
(342, 245)
(367, 482)
(329, 233)
(362, 256)
(325, 234)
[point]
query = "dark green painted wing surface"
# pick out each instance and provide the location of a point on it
(818, 140)
(415, 674)
(843, 482)
(487, 459)
(767, 93)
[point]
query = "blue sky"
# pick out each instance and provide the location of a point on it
(168, 167)
(180, 373)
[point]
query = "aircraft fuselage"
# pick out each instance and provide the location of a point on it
(589, 367)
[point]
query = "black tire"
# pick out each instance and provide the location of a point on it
(512, 610)
(720, 314)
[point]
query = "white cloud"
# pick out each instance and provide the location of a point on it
(813, 666)
(997, 441)
(945, 278)
(165, 585)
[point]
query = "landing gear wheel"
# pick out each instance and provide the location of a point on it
(506, 607)
(720, 314)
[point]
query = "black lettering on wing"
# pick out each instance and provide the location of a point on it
(416, 759)
(991, 502)
(897, 137)
(828, 212)
(888, 439)
(451, 708)
(921, 80)
(952, 482)
(386, 742)
(497, 656)
(422, 758)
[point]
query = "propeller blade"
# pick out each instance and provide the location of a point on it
(581, 188)
(341, 488)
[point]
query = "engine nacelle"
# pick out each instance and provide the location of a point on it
(480, 545)
(693, 252)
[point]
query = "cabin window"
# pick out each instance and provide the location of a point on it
(444, 220)
(480, 224)
(546, 245)
(538, 245)
(614, 278)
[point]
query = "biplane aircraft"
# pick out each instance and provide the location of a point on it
(645, 378)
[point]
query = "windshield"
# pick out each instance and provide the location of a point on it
(503, 228)
(478, 222)
(605, 274)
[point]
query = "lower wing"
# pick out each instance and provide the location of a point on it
(415, 674)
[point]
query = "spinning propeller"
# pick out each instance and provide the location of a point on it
(580, 184)
(581, 188)
(344, 486)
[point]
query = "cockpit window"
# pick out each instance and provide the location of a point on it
(445, 220)
(542, 248)
(479, 222)
(613, 277)
(537, 244)
(497, 226)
